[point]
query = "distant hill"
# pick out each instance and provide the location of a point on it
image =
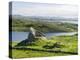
(47, 18)
(22, 23)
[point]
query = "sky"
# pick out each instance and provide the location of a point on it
(44, 9)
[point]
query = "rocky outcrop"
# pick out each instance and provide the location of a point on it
(34, 34)
(32, 37)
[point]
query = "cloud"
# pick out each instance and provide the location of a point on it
(46, 10)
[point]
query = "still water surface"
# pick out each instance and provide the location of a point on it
(19, 36)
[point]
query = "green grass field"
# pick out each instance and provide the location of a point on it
(24, 25)
(56, 46)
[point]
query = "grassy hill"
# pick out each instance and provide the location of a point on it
(56, 46)
(43, 26)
